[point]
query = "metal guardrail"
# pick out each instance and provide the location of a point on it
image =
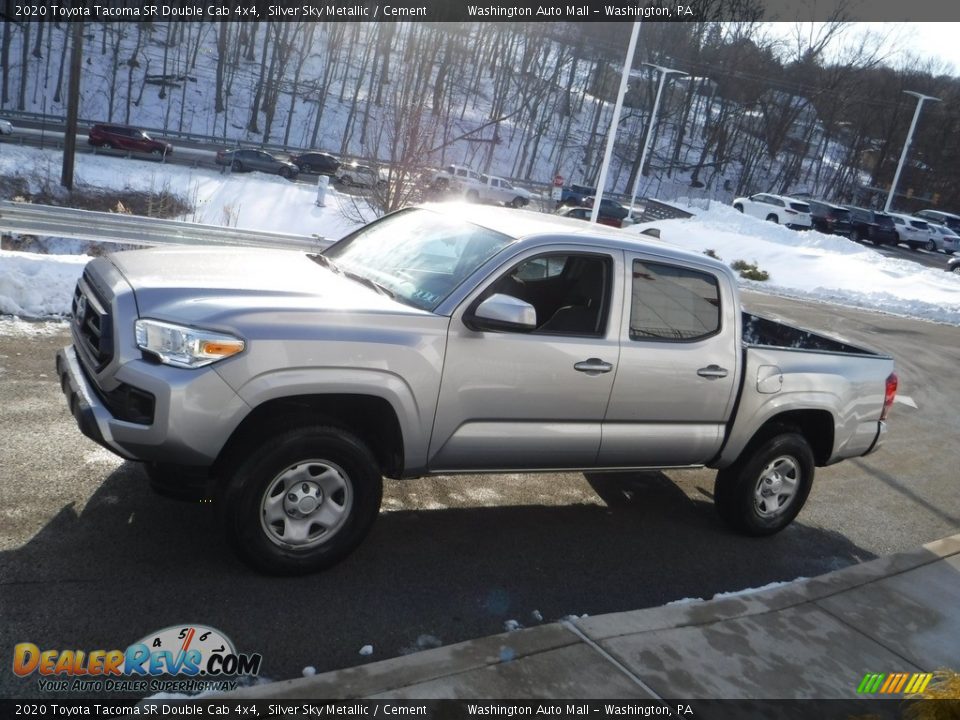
(53, 221)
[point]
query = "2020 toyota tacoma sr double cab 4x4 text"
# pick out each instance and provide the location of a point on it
(451, 339)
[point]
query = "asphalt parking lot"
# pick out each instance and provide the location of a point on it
(91, 559)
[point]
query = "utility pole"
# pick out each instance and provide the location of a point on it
(903, 154)
(73, 103)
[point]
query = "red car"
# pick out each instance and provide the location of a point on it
(123, 137)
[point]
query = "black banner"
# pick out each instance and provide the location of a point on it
(477, 10)
(225, 708)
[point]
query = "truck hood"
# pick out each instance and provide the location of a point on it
(202, 285)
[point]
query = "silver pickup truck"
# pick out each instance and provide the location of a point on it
(451, 339)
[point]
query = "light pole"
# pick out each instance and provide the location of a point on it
(614, 121)
(903, 155)
(664, 71)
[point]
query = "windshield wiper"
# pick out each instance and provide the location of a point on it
(373, 284)
(326, 262)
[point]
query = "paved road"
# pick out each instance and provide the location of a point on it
(90, 559)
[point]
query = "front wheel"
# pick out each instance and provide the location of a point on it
(762, 492)
(518, 202)
(236, 166)
(738, 207)
(284, 172)
(302, 500)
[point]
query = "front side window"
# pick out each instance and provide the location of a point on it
(673, 303)
(418, 256)
(569, 292)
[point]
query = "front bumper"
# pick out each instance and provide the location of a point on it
(195, 411)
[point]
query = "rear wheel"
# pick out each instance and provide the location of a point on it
(931, 246)
(110, 146)
(738, 207)
(773, 218)
(302, 500)
(855, 235)
(762, 492)
(473, 196)
(237, 166)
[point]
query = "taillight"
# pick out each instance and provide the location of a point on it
(889, 395)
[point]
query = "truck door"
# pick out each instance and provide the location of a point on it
(536, 399)
(674, 389)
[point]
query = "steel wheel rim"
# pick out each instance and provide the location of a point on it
(777, 487)
(306, 504)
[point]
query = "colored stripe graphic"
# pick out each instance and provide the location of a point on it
(894, 683)
(870, 683)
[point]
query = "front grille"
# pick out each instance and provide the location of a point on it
(93, 324)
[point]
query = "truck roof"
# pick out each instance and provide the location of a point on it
(529, 225)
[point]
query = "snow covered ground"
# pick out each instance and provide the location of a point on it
(801, 264)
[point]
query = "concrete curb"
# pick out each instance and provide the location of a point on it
(489, 667)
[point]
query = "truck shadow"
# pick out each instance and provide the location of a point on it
(130, 562)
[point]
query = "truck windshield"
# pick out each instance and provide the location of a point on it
(419, 256)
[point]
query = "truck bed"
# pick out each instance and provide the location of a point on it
(765, 332)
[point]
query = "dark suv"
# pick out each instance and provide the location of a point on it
(872, 226)
(124, 137)
(828, 218)
(316, 162)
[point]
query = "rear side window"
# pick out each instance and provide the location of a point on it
(673, 303)
(800, 207)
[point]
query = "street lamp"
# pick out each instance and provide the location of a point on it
(614, 121)
(664, 71)
(903, 155)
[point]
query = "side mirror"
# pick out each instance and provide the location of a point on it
(503, 312)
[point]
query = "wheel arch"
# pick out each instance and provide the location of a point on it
(815, 425)
(371, 418)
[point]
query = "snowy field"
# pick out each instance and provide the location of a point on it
(806, 265)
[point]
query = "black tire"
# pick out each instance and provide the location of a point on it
(283, 471)
(473, 196)
(346, 180)
(518, 202)
(110, 146)
(773, 218)
(931, 246)
(738, 207)
(739, 497)
(236, 166)
(284, 172)
(179, 482)
(855, 235)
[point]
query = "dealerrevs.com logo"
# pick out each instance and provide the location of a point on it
(199, 657)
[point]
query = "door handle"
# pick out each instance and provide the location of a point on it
(712, 372)
(593, 366)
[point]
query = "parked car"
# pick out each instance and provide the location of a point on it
(124, 137)
(318, 163)
(912, 231)
(953, 264)
(576, 194)
(943, 239)
(871, 226)
(608, 208)
(456, 338)
(940, 218)
(581, 213)
(499, 190)
(776, 208)
(6, 127)
(246, 159)
(357, 175)
(829, 218)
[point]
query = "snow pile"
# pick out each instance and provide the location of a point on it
(34, 285)
(812, 265)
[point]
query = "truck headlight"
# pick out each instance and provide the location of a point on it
(184, 347)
